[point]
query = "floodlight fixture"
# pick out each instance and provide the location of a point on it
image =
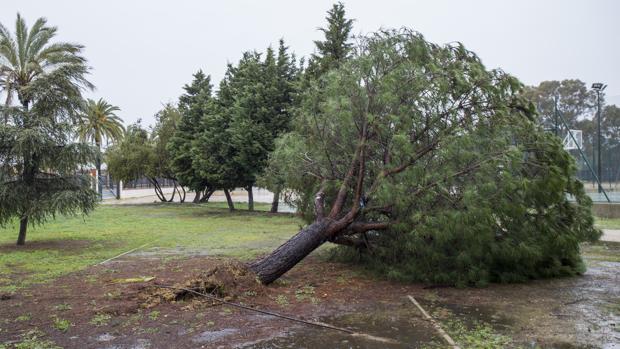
(598, 86)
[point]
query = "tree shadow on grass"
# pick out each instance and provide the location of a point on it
(67, 245)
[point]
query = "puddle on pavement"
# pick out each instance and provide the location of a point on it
(470, 316)
(211, 336)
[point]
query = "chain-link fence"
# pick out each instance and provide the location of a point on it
(593, 138)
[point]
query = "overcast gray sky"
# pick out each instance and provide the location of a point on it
(143, 52)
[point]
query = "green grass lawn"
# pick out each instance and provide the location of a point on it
(608, 223)
(69, 244)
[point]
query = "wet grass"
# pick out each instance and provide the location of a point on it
(33, 339)
(607, 223)
(68, 244)
(604, 251)
(479, 336)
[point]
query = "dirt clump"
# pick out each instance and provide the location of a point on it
(226, 280)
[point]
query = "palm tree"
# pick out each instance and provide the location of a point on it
(100, 122)
(29, 62)
(48, 79)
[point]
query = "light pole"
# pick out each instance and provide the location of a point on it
(598, 87)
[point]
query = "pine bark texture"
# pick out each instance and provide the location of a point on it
(291, 252)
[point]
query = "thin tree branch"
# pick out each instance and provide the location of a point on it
(342, 192)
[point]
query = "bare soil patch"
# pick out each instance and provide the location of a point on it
(68, 246)
(106, 312)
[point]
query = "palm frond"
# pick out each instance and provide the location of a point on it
(100, 121)
(30, 56)
(21, 33)
(39, 34)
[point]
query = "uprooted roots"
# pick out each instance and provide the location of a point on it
(225, 281)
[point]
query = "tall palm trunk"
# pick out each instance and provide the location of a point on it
(7, 103)
(28, 174)
(98, 167)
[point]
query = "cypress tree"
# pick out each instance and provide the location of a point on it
(212, 152)
(287, 88)
(193, 105)
(252, 108)
(336, 45)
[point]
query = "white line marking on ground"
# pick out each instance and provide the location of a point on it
(435, 324)
(124, 253)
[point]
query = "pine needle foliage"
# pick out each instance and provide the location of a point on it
(336, 45)
(447, 154)
(233, 132)
(193, 105)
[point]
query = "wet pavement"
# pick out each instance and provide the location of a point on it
(402, 324)
(576, 312)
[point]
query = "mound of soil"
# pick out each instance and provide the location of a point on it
(225, 280)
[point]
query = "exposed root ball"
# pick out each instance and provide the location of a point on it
(226, 280)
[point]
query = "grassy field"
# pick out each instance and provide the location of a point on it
(69, 244)
(608, 223)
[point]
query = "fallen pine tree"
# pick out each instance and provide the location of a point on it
(429, 167)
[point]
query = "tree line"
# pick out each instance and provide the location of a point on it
(221, 140)
(215, 141)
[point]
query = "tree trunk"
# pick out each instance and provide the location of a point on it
(324, 228)
(23, 227)
(231, 206)
(250, 198)
(28, 173)
(98, 167)
(275, 203)
(174, 193)
(197, 197)
(118, 190)
(291, 252)
(182, 197)
(207, 195)
(160, 194)
(7, 103)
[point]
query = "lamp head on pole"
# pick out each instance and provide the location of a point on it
(598, 86)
